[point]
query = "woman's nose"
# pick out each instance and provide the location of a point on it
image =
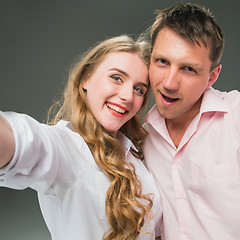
(126, 92)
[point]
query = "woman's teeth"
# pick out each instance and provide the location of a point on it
(116, 108)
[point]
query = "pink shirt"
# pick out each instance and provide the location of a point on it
(200, 180)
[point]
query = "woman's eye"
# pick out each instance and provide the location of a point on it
(139, 90)
(116, 78)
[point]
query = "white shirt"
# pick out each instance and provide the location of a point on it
(57, 163)
(199, 181)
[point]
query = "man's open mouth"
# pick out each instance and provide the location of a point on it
(169, 99)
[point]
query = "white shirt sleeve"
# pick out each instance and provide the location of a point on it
(44, 155)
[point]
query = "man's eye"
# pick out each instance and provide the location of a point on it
(162, 61)
(116, 78)
(190, 69)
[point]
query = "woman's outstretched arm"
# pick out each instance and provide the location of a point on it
(7, 143)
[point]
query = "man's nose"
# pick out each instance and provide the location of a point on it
(171, 81)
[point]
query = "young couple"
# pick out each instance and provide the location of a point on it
(87, 165)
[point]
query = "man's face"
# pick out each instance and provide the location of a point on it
(179, 74)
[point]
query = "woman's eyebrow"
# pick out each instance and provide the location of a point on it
(121, 71)
(127, 75)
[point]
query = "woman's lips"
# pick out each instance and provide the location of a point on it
(116, 109)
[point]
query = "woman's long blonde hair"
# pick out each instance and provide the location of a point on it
(126, 205)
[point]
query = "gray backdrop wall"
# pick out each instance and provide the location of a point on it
(40, 39)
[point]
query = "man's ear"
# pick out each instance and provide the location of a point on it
(214, 75)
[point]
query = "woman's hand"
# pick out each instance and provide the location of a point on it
(7, 143)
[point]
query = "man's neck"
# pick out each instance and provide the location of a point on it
(178, 126)
(176, 130)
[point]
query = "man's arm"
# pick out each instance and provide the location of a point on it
(7, 143)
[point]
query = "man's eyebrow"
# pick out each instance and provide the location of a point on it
(188, 64)
(194, 66)
(157, 55)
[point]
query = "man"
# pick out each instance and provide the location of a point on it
(193, 147)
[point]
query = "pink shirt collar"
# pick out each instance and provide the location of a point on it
(212, 101)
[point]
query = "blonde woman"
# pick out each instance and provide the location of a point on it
(87, 164)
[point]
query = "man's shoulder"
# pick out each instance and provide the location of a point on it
(227, 95)
(232, 99)
(216, 100)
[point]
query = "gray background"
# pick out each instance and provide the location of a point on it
(40, 39)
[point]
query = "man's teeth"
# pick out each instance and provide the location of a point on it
(169, 99)
(116, 108)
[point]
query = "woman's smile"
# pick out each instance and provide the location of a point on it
(116, 109)
(115, 91)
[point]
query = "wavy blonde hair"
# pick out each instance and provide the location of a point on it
(125, 204)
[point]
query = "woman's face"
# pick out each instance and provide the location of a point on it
(115, 91)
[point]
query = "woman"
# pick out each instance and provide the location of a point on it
(87, 166)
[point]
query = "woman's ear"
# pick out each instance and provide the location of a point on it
(84, 85)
